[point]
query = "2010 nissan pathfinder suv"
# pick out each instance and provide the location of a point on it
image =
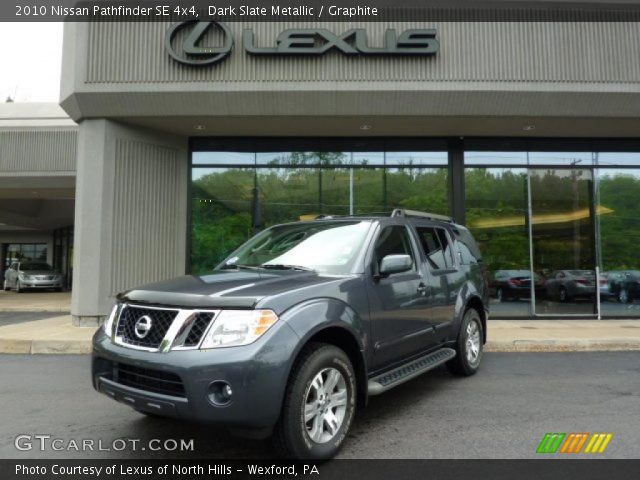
(299, 326)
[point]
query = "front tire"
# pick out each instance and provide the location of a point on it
(469, 345)
(6, 286)
(18, 287)
(319, 404)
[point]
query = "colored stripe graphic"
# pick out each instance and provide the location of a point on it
(550, 443)
(573, 442)
(598, 443)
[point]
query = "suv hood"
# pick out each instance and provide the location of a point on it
(223, 288)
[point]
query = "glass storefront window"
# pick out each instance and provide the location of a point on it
(224, 158)
(415, 188)
(221, 200)
(496, 213)
(582, 205)
(288, 194)
(495, 158)
(229, 204)
(410, 159)
(618, 224)
(580, 159)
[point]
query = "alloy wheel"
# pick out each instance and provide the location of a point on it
(472, 342)
(325, 405)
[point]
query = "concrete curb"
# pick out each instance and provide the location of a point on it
(581, 345)
(48, 347)
(29, 309)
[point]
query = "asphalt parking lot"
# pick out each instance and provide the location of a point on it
(502, 412)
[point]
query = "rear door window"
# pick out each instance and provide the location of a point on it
(436, 247)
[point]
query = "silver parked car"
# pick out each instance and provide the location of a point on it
(31, 276)
(565, 285)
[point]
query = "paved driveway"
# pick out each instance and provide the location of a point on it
(502, 412)
(35, 301)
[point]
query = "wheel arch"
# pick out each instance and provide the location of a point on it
(345, 340)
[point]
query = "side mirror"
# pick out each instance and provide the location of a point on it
(395, 264)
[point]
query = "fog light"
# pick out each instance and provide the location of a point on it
(220, 393)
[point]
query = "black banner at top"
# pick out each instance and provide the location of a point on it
(320, 10)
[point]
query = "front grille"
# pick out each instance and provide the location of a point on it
(156, 381)
(200, 324)
(160, 322)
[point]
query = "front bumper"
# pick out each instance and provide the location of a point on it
(257, 374)
(36, 284)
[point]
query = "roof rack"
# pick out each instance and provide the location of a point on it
(401, 212)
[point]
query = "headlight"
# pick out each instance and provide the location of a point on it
(26, 277)
(238, 327)
(108, 325)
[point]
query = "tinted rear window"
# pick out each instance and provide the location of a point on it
(469, 251)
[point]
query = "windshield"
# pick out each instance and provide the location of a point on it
(325, 247)
(34, 266)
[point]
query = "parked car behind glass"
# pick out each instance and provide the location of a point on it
(32, 276)
(624, 285)
(566, 285)
(515, 284)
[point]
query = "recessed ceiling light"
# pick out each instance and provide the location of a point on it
(365, 127)
(528, 128)
(199, 127)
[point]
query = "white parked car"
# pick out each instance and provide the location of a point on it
(23, 276)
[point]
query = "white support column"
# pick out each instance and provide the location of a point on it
(130, 216)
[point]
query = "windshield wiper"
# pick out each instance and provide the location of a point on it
(280, 266)
(241, 267)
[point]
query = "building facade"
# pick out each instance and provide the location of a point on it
(527, 132)
(37, 185)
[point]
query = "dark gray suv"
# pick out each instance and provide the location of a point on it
(299, 326)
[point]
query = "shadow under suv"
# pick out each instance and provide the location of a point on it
(297, 327)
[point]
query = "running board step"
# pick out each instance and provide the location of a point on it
(406, 372)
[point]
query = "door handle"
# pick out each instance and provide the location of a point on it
(422, 289)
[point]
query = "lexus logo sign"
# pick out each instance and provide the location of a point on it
(194, 54)
(302, 42)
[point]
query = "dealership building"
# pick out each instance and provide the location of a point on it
(172, 144)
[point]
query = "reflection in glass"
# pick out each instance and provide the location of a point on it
(224, 158)
(229, 204)
(353, 191)
(220, 213)
(409, 159)
(288, 194)
(562, 232)
(582, 159)
(619, 232)
(415, 188)
(497, 216)
(495, 158)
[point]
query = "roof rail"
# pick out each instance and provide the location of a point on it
(401, 212)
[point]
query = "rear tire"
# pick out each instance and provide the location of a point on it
(6, 286)
(319, 404)
(623, 296)
(468, 346)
